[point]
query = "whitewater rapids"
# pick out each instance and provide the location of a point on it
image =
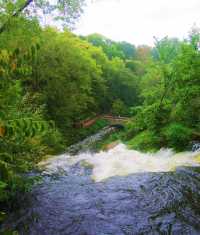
(121, 161)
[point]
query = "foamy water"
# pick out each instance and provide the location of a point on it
(121, 161)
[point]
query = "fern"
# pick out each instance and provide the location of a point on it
(6, 157)
(19, 129)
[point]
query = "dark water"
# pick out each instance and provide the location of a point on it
(69, 202)
(148, 203)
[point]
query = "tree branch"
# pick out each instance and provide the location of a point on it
(17, 13)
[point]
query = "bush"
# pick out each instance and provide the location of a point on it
(145, 141)
(54, 140)
(119, 108)
(131, 130)
(177, 136)
(12, 186)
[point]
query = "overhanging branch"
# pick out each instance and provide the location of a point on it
(17, 13)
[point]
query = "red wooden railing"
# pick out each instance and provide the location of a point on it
(89, 122)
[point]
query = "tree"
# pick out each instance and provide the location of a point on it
(170, 91)
(118, 108)
(64, 10)
(128, 49)
(186, 92)
(70, 79)
(194, 36)
(112, 49)
(166, 49)
(143, 53)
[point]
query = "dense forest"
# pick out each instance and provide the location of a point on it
(51, 80)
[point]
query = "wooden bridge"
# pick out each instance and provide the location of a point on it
(113, 120)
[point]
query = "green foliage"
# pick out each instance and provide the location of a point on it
(177, 135)
(122, 83)
(186, 92)
(145, 141)
(65, 11)
(72, 85)
(23, 128)
(166, 49)
(131, 129)
(122, 50)
(170, 91)
(101, 123)
(20, 129)
(118, 108)
(54, 140)
(52, 80)
(98, 125)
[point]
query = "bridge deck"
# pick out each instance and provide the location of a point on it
(112, 119)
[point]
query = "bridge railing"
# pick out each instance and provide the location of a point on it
(88, 122)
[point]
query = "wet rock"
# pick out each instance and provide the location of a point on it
(88, 143)
(112, 145)
(195, 146)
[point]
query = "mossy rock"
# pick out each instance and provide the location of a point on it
(197, 159)
(111, 145)
(86, 164)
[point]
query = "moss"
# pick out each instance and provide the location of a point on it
(86, 164)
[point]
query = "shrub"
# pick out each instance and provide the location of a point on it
(177, 136)
(119, 108)
(145, 141)
(54, 140)
(131, 129)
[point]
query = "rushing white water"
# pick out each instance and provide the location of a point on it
(121, 161)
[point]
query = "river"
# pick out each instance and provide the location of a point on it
(116, 192)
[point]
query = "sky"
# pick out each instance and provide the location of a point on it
(138, 21)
